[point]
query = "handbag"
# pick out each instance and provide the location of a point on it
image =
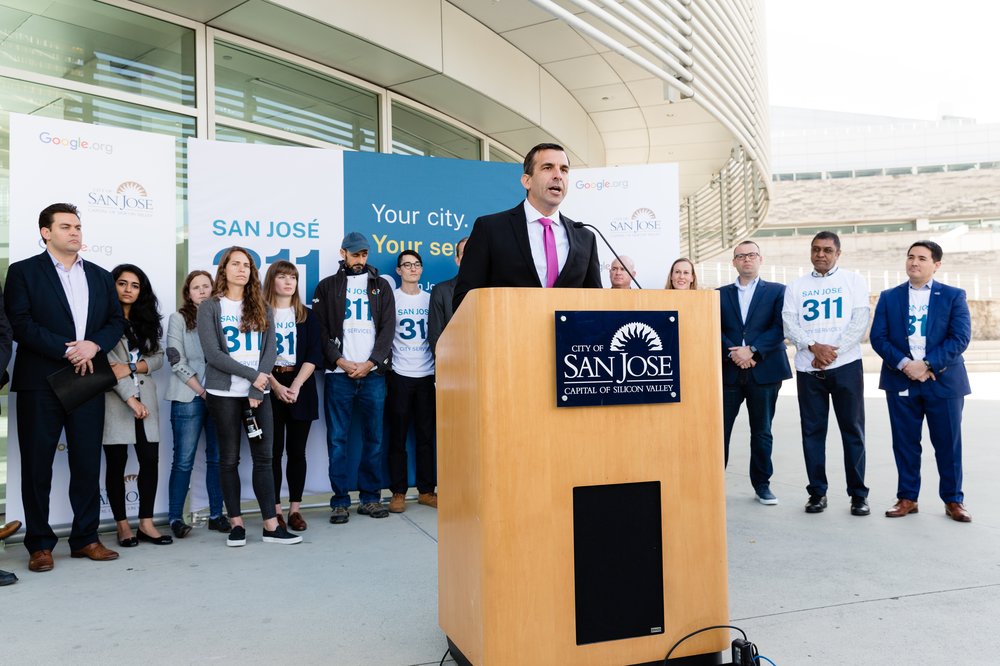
(73, 389)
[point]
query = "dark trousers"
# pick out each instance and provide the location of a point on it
(844, 386)
(411, 400)
(40, 419)
(115, 457)
(228, 416)
(944, 421)
(761, 400)
(290, 435)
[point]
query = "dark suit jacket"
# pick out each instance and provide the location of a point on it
(763, 330)
(6, 344)
(442, 296)
(498, 254)
(42, 322)
(949, 330)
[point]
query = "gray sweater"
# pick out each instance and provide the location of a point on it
(219, 366)
(185, 357)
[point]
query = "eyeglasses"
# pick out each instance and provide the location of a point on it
(410, 264)
(746, 255)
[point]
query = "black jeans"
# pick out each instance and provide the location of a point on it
(761, 400)
(411, 399)
(115, 457)
(292, 434)
(844, 387)
(228, 416)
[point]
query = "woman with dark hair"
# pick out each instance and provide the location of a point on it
(682, 275)
(294, 402)
(188, 411)
(131, 415)
(236, 329)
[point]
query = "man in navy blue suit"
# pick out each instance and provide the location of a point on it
(920, 330)
(754, 362)
(63, 311)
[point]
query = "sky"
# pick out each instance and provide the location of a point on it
(909, 59)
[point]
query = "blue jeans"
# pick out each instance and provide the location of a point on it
(343, 397)
(187, 420)
(844, 387)
(761, 400)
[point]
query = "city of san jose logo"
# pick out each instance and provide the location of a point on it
(127, 197)
(610, 358)
(641, 222)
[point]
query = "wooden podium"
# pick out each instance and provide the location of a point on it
(508, 463)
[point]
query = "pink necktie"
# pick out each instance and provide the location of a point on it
(551, 259)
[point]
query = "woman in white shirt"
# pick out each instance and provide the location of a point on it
(236, 329)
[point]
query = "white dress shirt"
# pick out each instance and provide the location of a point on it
(74, 284)
(536, 238)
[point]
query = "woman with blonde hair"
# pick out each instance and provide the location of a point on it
(188, 408)
(682, 275)
(236, 329)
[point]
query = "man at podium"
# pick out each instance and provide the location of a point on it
(532, 244)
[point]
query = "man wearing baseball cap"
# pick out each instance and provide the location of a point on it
(357, 313)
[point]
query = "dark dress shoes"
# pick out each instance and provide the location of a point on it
(901, 508)
(41, 560)
(956, 511)
(816, 504)
(130, 542)
(162, 540)
(94, 551)
(9, 529)
(7, 578)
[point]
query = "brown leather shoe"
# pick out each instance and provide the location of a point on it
(41, 560)
(9, 529)
(296, 522)
(428, 499)
(901, 508)
(398, 503)
(95, 551)
(281, 521)
(956, 511)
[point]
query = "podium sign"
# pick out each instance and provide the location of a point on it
(616, 358)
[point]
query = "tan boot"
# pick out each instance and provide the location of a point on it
(398, 503)
(428, 499)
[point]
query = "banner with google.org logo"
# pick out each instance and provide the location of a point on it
(123, 182)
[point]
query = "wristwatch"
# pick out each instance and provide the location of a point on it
(132, 368)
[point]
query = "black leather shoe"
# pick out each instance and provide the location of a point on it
(180, 528)
(816, 504)
(7, 578)
(130, 542)
(859, 506)
(162, 540)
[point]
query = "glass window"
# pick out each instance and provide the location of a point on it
(497, 155)
(809, 175)
(864, 173)
(28, 98)
(840, 174)
(415, 133)
(899, 171)
(259, 89)
(936, 168)
(95, 43)
(223, 133)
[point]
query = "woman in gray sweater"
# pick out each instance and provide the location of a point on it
(188, 411)
(131, 414)
(236, 329)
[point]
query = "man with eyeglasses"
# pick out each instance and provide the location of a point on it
(357, 314)
(920, 330)
(411, 388)
(825, 315)
(622, 272)
(754, 362)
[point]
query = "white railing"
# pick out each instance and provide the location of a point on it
(978, 286)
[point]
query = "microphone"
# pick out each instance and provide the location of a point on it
(581, 225)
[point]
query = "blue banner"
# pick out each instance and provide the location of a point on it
(426, 204)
